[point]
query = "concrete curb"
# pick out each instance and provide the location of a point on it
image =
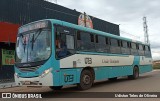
(7, 85)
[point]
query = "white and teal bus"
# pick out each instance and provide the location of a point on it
(55, 53)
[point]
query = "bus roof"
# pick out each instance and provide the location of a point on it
(78, 27)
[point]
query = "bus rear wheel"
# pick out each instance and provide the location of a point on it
(56, 87)
(135, 73)
(86, 80)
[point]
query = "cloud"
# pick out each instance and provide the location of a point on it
(127, 13)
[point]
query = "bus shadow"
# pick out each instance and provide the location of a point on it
(119, 80)
(73, 92)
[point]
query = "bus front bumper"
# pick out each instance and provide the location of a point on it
(47, 80)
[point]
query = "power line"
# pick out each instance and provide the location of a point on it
(126, 33)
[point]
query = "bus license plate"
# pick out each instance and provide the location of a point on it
(27, 82)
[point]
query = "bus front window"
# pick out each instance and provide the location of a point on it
(33, 46)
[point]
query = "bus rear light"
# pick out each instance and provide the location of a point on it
(46, 72)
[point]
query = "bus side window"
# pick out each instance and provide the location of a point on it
(101, 43)
(125, 49)
(114, 42)
(133, 46)
(115, 46)
(147, 51)
(70, 41)
(86, 42)
(134, 50)
(64, 41)
(141, 50)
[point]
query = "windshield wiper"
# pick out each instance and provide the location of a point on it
(24, 43)
(35, 38)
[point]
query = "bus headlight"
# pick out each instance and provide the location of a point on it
(46, 72)
(16, 75)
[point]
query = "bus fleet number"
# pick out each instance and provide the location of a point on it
(88, 60)
(68, 78)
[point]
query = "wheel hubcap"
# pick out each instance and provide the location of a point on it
(86, 79)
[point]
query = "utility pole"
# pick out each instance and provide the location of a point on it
(146, 36)
(85, 19)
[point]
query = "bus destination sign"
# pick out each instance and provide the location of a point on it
(33, 26)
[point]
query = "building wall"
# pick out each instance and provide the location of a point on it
(25, 11)
(6, 71)
(8, 32)
(14, 13)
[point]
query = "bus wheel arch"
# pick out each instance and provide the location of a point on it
(56, 87)
(91, 69)
(135, 73)
(87, 78)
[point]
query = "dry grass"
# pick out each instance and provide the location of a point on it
(156, 66)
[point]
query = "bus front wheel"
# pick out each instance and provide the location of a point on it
(135, 73)
(56, 87)
(86, 80)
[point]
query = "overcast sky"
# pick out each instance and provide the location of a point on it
(127, 13)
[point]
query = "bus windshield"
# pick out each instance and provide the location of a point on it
(33, 46)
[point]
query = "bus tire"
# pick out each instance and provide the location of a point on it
(135, 73)
(86, 80)
(56, 87)
(112, 79)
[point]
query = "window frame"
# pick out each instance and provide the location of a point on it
(148, 51)
(135, 47)
(109, 42)
(112, 41)
(74, 37)
(141, 47)
(122, 45)
(80, 31)
(99, 43)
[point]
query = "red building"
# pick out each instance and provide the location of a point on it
(8, 32)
